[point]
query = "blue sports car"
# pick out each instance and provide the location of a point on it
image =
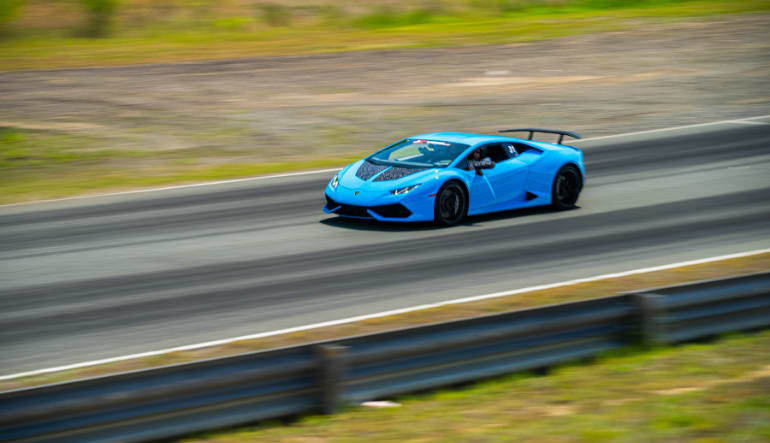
(444, 176)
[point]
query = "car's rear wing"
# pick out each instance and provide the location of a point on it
(547, 131)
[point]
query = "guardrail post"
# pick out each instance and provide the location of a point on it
(652, 318)
(332, 361)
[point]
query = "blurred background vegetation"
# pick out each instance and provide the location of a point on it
(66, 133)
(62, 33)
(156, 18)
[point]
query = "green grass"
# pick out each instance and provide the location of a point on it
(276, 31)
(631, 395)
(51, 183)
(20, 149)
(37, 165)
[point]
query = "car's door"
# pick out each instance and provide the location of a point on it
(502, 184)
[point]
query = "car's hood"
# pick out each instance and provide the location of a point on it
(382, 176)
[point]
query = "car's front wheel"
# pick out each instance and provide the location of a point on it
(566, 187)
(451, 204)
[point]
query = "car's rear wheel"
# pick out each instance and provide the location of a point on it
(566, 188)
(451, 204)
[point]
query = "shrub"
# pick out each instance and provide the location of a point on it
(274, 14)
(100, 16)
(8, 10)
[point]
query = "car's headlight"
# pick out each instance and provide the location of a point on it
(403, 190)
(335, 181)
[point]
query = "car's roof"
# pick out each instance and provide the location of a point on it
(462, 137)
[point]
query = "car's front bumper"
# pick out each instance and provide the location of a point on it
(409, 208)
(380, 212)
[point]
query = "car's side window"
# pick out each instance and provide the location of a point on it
(510, 149)
(497, 152)
(522, 148)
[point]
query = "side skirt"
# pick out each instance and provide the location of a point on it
(538, 200)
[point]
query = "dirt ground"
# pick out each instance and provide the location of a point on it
(276, 109)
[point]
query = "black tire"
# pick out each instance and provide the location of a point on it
(451, 204)
(566, 188)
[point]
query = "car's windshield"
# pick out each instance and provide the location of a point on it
(419, 152)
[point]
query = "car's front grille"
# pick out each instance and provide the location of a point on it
(353, 211)
(390, 211)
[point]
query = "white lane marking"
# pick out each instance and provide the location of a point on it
(382, 314)
(193, 185)
(292, 174)
(748, 122)
(672, 128)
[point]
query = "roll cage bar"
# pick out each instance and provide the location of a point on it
(547, 131)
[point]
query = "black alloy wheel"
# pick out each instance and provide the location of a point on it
(451, 204)
(566, 187)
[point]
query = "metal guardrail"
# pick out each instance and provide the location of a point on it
(690, 311)
(192, 397)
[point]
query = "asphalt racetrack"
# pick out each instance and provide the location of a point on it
(91, 278)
